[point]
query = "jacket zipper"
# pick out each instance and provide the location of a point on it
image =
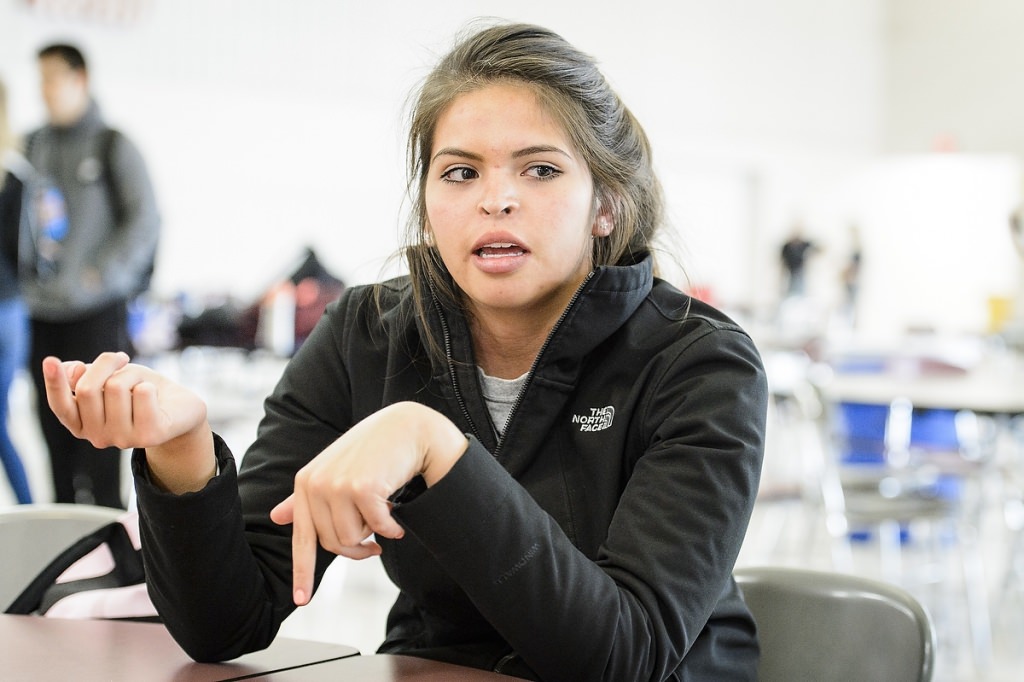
(451, 368)
(505, 660)
(529, 376)
(533, 367)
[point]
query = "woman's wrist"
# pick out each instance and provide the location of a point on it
(444, 445)
(185, 463)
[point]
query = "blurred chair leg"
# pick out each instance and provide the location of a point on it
(977, 599)
(1013, 576)
(842, 551)
(891, 551)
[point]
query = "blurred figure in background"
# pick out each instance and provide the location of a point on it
(13, 317)
(1013, 329)
(851, 277)
(89, 272)
(794, 253)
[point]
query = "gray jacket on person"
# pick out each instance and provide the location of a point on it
(113, 222)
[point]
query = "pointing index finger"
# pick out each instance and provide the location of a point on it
(304, 544)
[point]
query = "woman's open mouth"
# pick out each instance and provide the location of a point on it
(500, 250)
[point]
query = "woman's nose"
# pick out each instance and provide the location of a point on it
(499, 197)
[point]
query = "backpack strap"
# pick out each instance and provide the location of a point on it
(29, 142)
(112, 534)
(110, 136)
(110, 139)
(127, 570)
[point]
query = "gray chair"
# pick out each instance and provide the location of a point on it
(31, 535)
(836, 627)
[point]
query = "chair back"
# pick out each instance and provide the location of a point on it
(835, 627)
(31, 535)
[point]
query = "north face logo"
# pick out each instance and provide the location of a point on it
(599, 419)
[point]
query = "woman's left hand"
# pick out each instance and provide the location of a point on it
(341, 497)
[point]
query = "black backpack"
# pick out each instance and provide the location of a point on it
(83, 582)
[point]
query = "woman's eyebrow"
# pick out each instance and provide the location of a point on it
(538, 149)
(519, 153)
(454, 151)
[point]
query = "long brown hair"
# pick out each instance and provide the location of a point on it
(570, 86)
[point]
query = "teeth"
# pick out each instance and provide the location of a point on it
(497, 255)
(502, 247)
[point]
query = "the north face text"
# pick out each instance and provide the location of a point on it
(599, 419)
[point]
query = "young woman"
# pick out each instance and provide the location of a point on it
(555, 452)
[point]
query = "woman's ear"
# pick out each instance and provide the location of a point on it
(603, 225)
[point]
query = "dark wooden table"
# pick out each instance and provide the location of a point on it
(386, 668)
(40, 649)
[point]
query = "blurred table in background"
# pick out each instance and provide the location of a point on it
(991, 386)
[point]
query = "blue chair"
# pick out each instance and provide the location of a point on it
(906, 477)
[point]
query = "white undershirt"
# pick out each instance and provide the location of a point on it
(500, 395)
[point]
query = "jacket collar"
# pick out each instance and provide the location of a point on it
(606, 299)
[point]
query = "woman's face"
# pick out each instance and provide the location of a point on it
(510, 203)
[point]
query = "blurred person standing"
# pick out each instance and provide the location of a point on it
(87, 273)
(850, 275)
(13, 316)
(794, 253)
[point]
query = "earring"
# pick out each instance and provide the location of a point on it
(604, 226)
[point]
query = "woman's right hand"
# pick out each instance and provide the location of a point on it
(113, 403)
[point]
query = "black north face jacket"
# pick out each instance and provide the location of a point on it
(594, 541)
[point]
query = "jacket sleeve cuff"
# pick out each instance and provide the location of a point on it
(474, 488)
(204, 507)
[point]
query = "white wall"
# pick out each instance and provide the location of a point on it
(952, 82)
(938, 245)
(269, 125)
(954, 73)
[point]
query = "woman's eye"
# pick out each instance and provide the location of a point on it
(458, 174)
(542, 172)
